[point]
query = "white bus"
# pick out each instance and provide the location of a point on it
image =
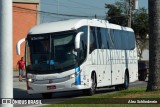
(79, 54)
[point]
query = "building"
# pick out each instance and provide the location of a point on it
(145, 50)
(25, 16)
(145, 53)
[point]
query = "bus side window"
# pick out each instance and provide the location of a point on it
(93, 42)
(104, 37)
(99, 37)
(110, 43)
(131, 40)
(117, 39)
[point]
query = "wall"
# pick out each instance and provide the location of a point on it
(145, 53)
(23, 20)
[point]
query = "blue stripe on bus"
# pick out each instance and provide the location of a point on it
(78, 77)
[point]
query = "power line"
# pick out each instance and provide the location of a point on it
(73, 4)
(76, 7)
(50, 15)
(44, 16)
(58, 14)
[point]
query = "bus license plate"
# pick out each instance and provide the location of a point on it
(51, 87)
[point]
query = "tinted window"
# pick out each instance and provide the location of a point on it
(104, 38)
(93, 41)
(111, 39)
(128, 40)
(117, 39)
(51, 53)
(99, 38)
(131, 40)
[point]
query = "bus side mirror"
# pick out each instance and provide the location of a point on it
(18, 46)
(77, 40)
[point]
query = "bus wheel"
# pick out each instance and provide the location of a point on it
(47, 95)
(92, 90)
(123, 86)
(126, 82)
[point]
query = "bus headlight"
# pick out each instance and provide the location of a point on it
(72, 76)
(30, 80)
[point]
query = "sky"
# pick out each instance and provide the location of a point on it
(76, 7)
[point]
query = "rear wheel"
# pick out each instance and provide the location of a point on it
(125, 85)
(126, 82)
(92, 90)
(47, 95)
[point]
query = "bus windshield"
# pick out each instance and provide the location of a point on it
(50, 53)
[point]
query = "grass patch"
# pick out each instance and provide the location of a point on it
(120, 94)
(119, 99)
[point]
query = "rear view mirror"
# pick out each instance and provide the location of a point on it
(77, 40)
(18, 46)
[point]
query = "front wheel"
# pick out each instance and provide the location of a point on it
(92, 90)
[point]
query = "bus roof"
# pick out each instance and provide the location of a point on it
(73, 24)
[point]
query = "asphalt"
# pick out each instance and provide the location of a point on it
(20, 88)
(17, 83)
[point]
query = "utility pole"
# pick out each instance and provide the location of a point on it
(130, 13)
(6, 64)
(132, 5)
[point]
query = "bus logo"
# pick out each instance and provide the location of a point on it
(50, 81)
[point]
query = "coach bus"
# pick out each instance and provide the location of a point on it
(79, 54)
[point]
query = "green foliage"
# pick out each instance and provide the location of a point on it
(118, 14)
(140, 22)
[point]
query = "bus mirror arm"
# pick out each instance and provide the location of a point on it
(18, 46)
(77, 40)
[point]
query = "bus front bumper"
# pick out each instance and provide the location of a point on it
(56, 87)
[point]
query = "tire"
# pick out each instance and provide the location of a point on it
(126, 82)
(91, 91)
(47, 95)
(123, 86)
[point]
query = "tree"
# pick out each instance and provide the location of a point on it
(118, 14)
(140, 26)
(154, 45)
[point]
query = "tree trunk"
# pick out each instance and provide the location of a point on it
(154, 45)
